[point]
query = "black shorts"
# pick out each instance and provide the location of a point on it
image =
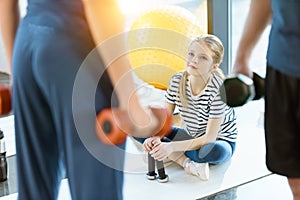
(282, 123)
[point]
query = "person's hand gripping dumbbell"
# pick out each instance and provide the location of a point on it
(113, 125)
(5, 100)
(240, 89)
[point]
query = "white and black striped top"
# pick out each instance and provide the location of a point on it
(206, 105)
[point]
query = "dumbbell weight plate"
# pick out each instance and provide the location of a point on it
(238, 90)
(5, 100)
(113, 126)
(259, 85)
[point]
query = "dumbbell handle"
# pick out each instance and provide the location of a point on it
(5, 100)
(113, 125)
(259, 86)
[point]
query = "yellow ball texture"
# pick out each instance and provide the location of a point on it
(158, 41)
(201, 15)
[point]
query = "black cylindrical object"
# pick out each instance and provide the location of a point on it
(151, 175)
(162, 176)
(161, 169)
(3, 161)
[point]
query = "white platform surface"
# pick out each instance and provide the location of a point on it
(247, 164)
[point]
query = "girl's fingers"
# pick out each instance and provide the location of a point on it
(155, 149)
(156, 140)
(155, 146)
(146, 147)
(159, 157)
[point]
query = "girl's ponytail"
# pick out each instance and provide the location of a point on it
(182, 89)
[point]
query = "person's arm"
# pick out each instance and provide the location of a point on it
(170, 107)
(258, 18)
(149, 142)
(9, 21)
(106, 23)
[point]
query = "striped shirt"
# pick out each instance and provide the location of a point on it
(206, 105)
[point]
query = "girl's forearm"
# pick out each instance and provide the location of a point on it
(212, 129)
(187, 145)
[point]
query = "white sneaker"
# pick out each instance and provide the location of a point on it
(199, 169)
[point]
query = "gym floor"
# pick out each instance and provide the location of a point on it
(245, 177)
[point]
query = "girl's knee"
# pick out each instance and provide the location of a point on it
(216, 152)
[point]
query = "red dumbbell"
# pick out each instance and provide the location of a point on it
(113, 125)
(5, 100)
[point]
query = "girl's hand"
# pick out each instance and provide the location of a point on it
(161, 151)
(150, 142)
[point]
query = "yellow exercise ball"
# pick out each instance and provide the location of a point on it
(201, 15)
(158, 41)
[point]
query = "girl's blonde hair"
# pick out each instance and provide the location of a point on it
(216, 46)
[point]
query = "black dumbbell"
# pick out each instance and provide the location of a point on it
(240, 89)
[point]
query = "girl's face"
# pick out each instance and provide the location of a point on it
(199, 59)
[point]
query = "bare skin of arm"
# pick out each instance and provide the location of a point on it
(210, 135)
(257, 20)
(9, 21)
(213, 127)
(107, 26)
(170, 107)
